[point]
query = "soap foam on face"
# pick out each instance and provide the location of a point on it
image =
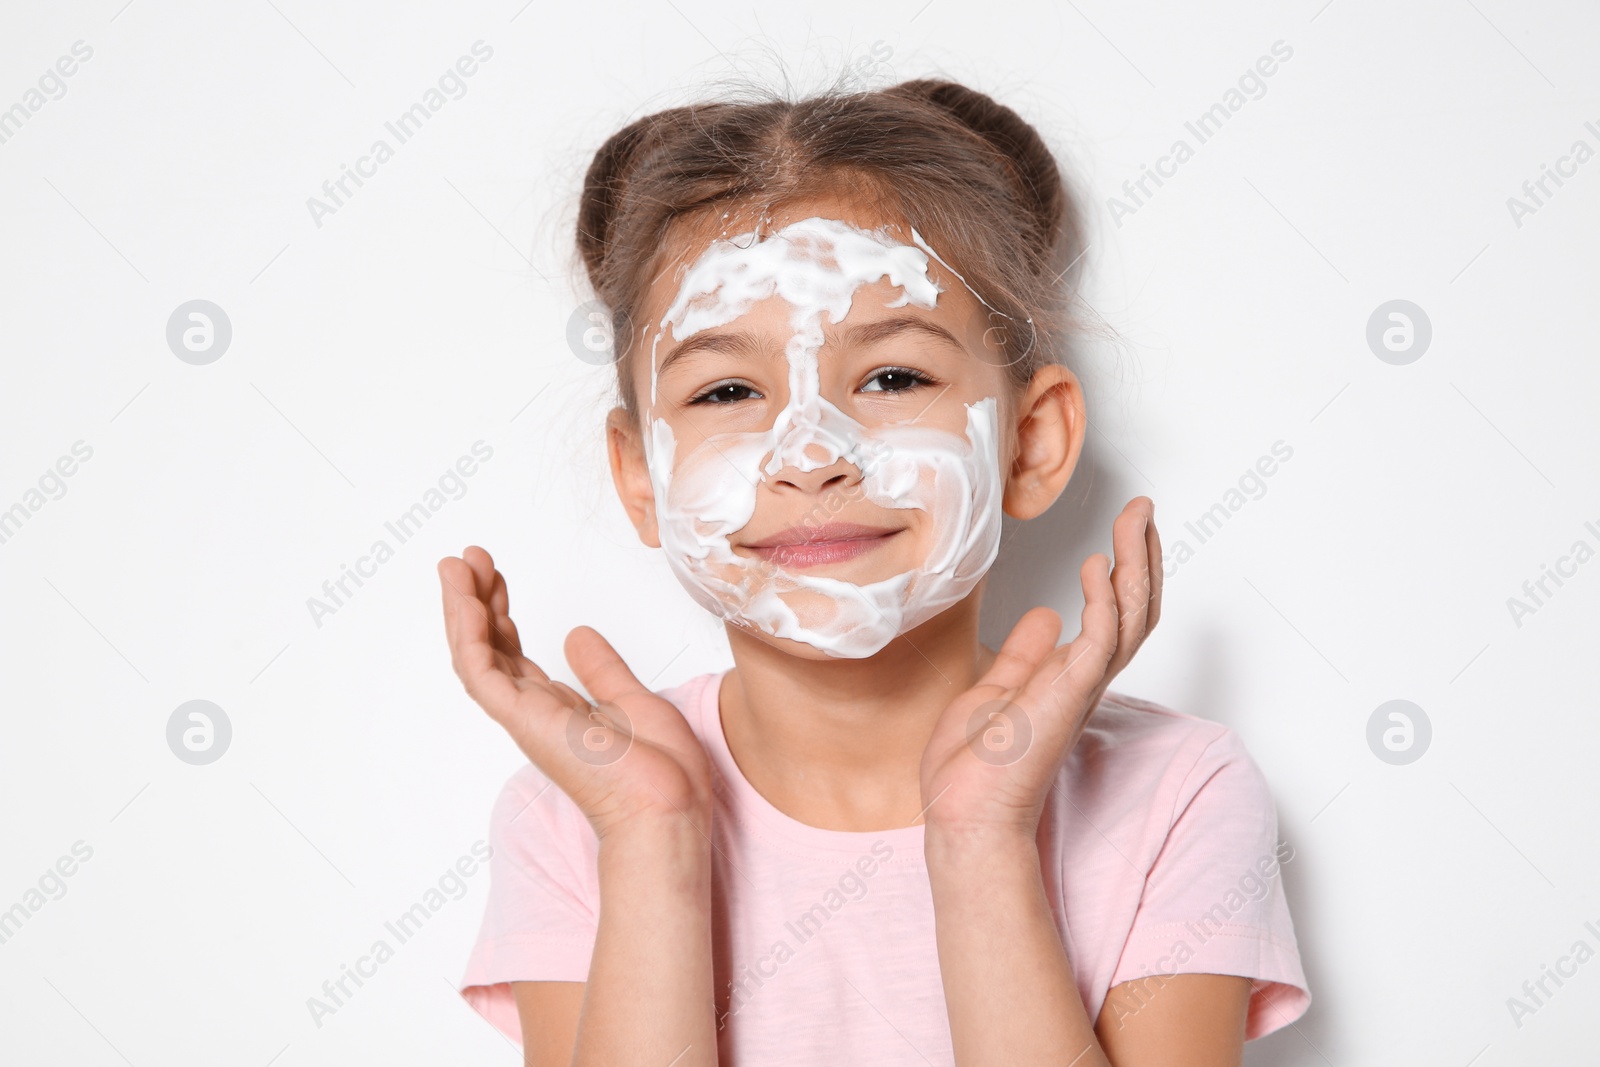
(705, 497)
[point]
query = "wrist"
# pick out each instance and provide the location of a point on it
(652, 838)
(639, 820)
(970, 846)
(977, 829)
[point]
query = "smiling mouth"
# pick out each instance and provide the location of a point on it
(815, 546)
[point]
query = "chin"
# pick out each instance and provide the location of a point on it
(794, 647)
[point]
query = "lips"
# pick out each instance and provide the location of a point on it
(812, 546)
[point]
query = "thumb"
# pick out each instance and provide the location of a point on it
(1030, 641)
(598, 667)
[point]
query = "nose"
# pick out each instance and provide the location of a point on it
(840, 474)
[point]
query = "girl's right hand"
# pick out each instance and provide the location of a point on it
(631, 760)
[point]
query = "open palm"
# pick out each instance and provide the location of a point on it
(631, 754)
(996, 748)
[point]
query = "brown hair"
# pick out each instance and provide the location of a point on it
(968, 172)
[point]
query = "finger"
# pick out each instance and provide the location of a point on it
(467, 619)
(477, 556)
(497, 603)
(507, 639)
(463, 575)
(455, 582)
(1099, 618)
(508, 643)
(1081, 664)
(1030, 641)
(598, 667)
(1130, 579)
(1153, 548)
(488, 587)
(499, 596)
(478, 665)
(482, 565)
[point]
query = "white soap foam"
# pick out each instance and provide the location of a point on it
(705, 497)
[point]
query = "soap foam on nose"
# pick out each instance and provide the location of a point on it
(709, 494)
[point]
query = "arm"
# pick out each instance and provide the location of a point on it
(649, 994)
(650, 988)
(642, 779)
(1007, 983)
(1009, 986)
(548, 1012)
(1189, 1020)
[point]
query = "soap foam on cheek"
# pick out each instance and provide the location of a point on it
(709, 494)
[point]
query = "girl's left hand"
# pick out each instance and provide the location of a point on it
(995, 750)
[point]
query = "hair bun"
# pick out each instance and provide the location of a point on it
(604, 184)
(1021, 151)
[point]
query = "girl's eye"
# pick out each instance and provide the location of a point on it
(724, 393)
(887, 380)
(895, 380)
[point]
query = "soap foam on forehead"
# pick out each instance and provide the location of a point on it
(816, 265)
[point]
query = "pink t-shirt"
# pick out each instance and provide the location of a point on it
(1160, 850)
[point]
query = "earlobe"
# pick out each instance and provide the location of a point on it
(1050, 429)
(648, 531)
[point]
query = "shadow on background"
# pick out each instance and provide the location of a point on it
(1039, 559)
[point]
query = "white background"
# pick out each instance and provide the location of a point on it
(430, 311)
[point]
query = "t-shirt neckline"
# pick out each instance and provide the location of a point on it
(748, 801)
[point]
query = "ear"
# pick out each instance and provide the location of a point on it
(631, 475)
(1049, 439)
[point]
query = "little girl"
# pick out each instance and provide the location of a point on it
(872, 840)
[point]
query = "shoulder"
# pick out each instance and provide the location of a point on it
(531, 812)
(1125, 730)
(1195, 876)
(1149, 769)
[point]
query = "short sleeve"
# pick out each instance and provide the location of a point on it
(540, 920)
(1213, 901)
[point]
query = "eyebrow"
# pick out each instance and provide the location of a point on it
(743, 342)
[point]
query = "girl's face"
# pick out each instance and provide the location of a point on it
(823, 416)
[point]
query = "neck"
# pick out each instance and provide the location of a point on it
(837, 743)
